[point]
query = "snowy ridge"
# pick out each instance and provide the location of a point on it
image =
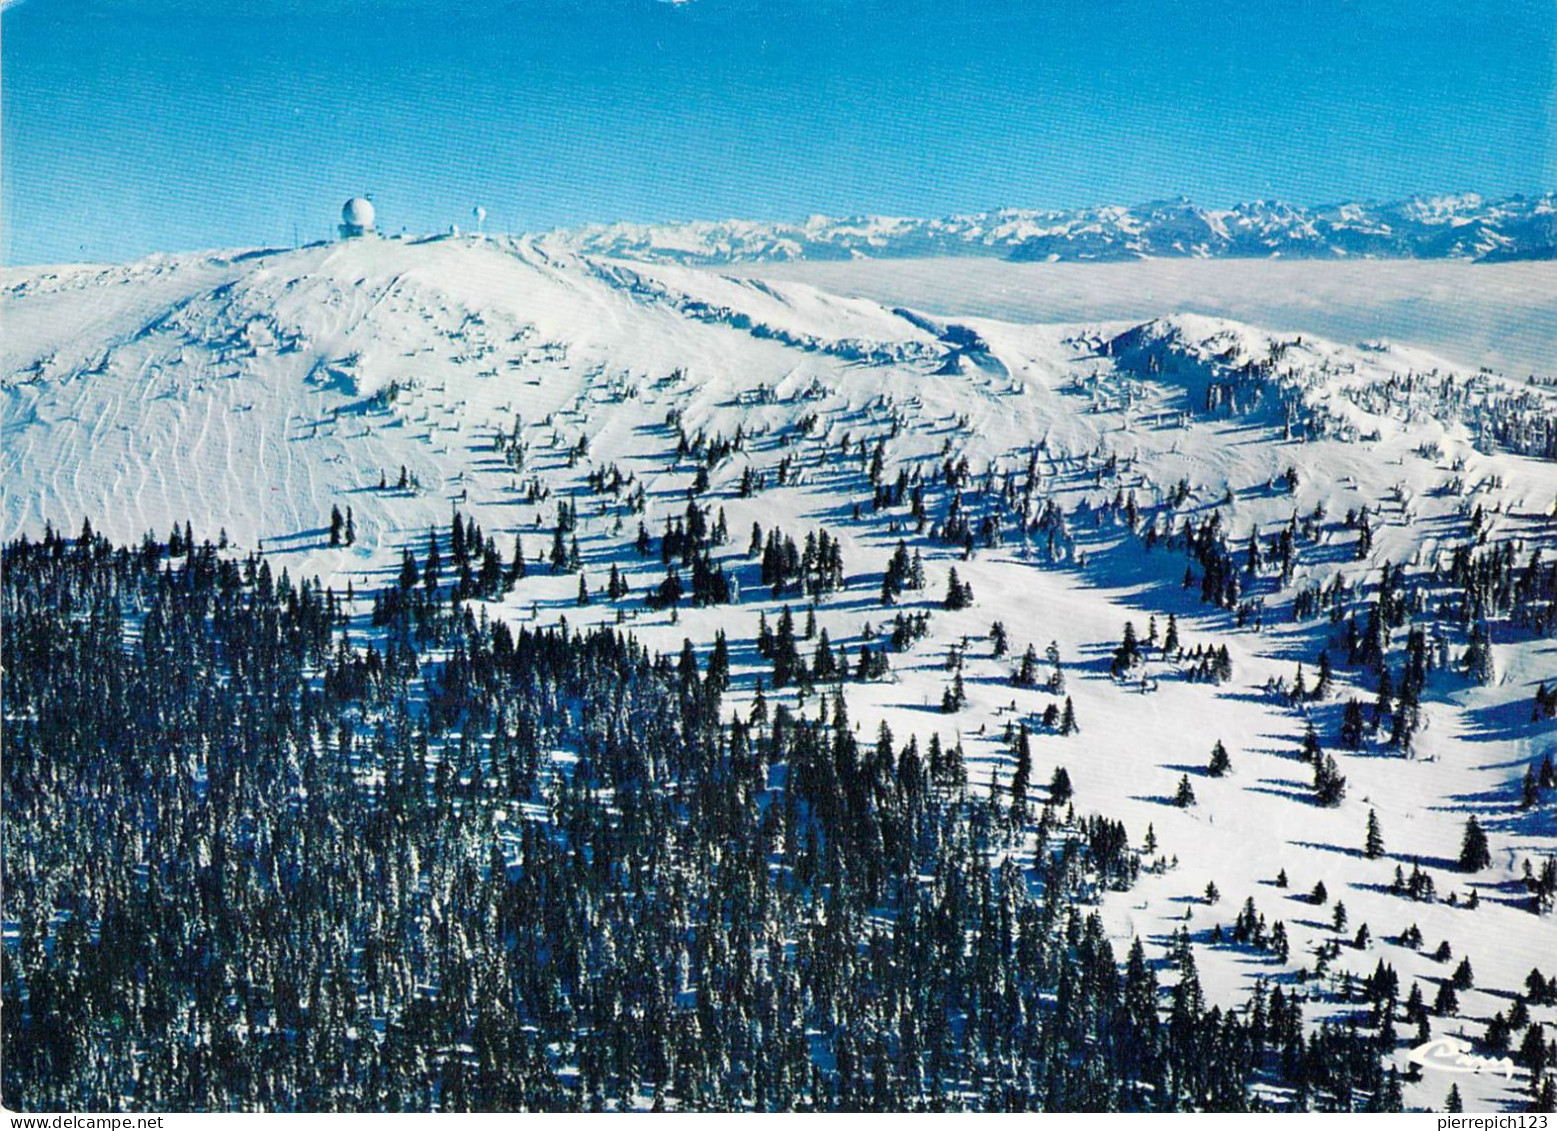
(251, 393)
(1459, 226)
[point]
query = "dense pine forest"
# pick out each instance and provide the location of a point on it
(265, 853)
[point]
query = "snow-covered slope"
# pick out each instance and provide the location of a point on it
(252, 393)
(1459, 226)
(1495, 314)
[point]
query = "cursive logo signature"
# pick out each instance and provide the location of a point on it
(1446, 1054)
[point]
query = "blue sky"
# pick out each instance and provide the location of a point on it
(138, 125)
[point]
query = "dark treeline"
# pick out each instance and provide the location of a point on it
(249, 864)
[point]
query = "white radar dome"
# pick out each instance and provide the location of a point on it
(357, 212)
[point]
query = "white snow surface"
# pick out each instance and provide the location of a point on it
(1501, 315)
(248, 392)
(1463, 226)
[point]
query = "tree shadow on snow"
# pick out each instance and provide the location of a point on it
(1503, 722)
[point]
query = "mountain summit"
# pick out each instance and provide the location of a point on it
(1458, 226)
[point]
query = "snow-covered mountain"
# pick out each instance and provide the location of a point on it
(1458, 226)
(1077, 476)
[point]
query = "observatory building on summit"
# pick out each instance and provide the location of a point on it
(356, 218)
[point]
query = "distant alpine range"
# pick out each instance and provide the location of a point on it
(1461, 226)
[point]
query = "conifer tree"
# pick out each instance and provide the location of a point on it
(1313, 753)
(1352, 726)
(1068, 724)
(1478, 655)
(1326, 679)
(1026, 674)
(1021, 777)
(954, 698)
(786, 654)
(1060, 791)
(958, 594)
(1475, 852)
(1447, 1002)
(998, 640)
(1329, 784)
(1128, 654)
(516, 568)
(1373, 841)
(1056, 683)
(432, 571)
(1545, 1100)
(719, 664)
